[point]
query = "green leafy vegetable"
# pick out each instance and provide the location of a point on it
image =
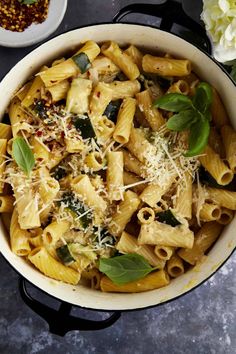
(198, 137)
(203, 97)
(193, 115)
(181, 121)
(23, 155)
(167, 217)
(82, 61)
(174, 102)
(126, 268)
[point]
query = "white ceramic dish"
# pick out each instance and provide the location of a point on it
(36, 32)
(153, 40)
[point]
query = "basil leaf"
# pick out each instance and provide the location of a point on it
(182, 121)
(174, 102)
(23, 155)
(198, 138)
(126, 268)
(203, 97)
(82, 61)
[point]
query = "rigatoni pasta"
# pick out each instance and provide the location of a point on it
(93, 178)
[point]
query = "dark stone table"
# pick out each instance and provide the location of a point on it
(201, 322)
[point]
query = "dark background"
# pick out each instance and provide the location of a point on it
(201, 322)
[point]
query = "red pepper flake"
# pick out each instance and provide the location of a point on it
(16, 16)
(39, 133)
(98, 94)
(62, 135)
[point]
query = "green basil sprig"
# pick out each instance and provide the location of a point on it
(23, 155)
(126, 268)
(191, 114)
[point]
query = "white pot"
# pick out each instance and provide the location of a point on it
(153, 40)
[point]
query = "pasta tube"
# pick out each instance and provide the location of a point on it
(5, 131)
(224, 198)
(49, 266)
(210, 212)
(152, 281)
(226, 216)
(3, 150)
(19, 238)
(146, 215)
(124, 89)
(59, 91)
(216, 167)
(218, 111)
(166, 66)
(175, 266)
(124, 212)
(136, 55)
(115, 180)
(229, 141)
(121, 59)
(6, 203)
(85, 191)
(132, 164)
(151, 114)
(205, 237)
(183, 202)
(164, 252)
(78, 96)
(158, 233)
(54, 231)
(138, 145)
(128, 244)
(124, 121)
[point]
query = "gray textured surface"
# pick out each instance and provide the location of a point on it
(201, 322)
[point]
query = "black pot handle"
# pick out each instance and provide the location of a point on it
(60, 321)
(170, 12)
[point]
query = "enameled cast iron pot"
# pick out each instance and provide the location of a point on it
(154, 40)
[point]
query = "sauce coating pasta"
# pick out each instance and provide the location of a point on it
(96, 173)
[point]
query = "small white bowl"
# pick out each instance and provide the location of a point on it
(36, 32)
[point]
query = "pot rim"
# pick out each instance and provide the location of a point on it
(232, 81)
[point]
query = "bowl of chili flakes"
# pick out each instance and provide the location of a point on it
(27, 22)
